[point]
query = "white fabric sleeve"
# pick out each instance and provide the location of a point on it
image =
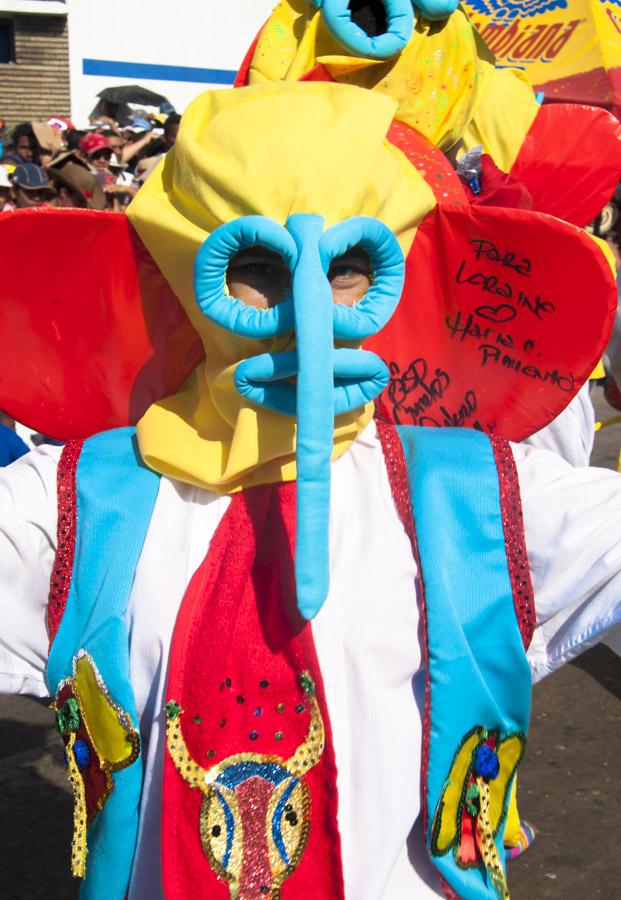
(572, 433)
(27, 547)
(572, 519)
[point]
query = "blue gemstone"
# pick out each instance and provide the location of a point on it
(82, 753)
(258, 711)
(485, 762)
(253, 735)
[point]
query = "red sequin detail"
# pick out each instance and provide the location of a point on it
(66, 532)
(429, 162)
(400, 487)
(513, 526)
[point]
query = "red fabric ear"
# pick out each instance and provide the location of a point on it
(503, 317)
(570, 161)
(91, 332)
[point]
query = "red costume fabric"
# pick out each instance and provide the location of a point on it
(238, 652)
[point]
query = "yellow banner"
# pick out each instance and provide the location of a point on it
(554, 40)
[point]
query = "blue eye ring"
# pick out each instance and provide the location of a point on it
(371, 313)
(399, 27)
(210, 266)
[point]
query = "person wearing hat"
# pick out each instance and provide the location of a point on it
(143, 141)
(25, 146)
(61, 123)
(67, 156)
(98, 152)
(77, 187)
(50, 141)
(31, 186)
(96, 149)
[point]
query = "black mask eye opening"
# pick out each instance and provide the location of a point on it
(370, 15)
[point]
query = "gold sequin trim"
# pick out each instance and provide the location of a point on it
(78, 842)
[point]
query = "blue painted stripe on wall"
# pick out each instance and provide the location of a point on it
(118, 69)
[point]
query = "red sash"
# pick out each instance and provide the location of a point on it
(250, 799)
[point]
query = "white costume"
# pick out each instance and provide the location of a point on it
(367, 634)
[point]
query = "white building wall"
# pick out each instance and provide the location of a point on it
(188, 46)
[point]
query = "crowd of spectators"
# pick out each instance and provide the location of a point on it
(53, 163)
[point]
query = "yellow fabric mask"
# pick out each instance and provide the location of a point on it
(436, 80)
(270, 150)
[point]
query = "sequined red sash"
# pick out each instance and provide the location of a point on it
(250, 801)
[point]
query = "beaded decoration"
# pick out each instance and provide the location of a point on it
(513, 526)
(255, 815)
(66, 533)
(473, 803)
(99, 740)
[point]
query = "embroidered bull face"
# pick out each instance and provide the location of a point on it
(255, 815)
(254, 825)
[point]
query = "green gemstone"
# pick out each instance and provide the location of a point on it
(307, 684)
(172, 710)
(472, 800)
(72, 714)
(278, 736)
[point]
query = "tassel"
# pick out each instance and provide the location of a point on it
(486, 843)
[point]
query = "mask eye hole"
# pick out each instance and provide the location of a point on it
(369, 15)
(351, 276)
(258, 277)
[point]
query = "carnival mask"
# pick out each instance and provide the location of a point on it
(378, 29)
(314, 382)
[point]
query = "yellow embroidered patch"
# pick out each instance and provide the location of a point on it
(474, 800)
(109, 727)
(99, 740)
(452, 795)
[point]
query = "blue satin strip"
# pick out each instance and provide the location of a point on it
(116, 496)
(478, 669)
